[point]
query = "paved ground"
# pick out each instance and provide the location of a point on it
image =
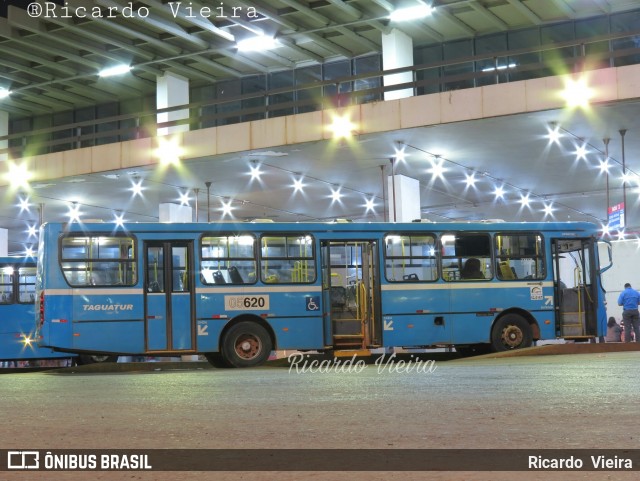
(552, 401)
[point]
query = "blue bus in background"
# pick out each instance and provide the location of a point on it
(17, 315)
(17, 312)
(235, 291)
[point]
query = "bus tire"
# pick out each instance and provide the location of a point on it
(216, 359)
(85, 359)
(511, 332)
(246, 344)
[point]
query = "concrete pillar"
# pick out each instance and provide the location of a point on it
(4, 242)
(4, 130)
(404, 198)
(172, 90)
(397, 52)
(175, 213)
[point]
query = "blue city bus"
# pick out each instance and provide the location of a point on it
(236, 291)
(17, 314)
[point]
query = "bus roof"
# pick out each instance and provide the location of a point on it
(479, 226)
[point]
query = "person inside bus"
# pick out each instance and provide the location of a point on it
(629, 300)
(471, 269)
(614, 331)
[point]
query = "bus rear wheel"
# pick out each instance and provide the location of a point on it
(246, 344)
(511, 332)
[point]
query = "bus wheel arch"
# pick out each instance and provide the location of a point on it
(514, 329)
(246, 341)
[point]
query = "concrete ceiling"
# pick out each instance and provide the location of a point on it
(51, 56)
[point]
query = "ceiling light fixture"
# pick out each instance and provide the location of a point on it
(553, 133)
(298, 185)
(24, 204)
(118, 219)
(136, 187)
(74, 212)
(342, 127)
(184, 198)
(115, 70)
(470, 179)
(226, 208)
(410, 13)
(581, 152)
(18, 175)
(259, 43)
(577, 93)
(255, 172)
(370, 204)
(169, 151)
(4, 93)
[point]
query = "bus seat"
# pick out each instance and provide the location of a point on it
(506, 271)
(218, 278)
(410, 277)
(235, 276)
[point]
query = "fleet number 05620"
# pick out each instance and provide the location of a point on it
(241, 303)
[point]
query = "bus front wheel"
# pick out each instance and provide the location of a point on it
(511, 332)
(246, 344)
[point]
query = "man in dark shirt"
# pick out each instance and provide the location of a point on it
(629, 300)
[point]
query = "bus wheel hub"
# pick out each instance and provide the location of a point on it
(512, 336)
(247, 347)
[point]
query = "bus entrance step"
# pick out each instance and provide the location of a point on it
(348, 340)
(352, 352)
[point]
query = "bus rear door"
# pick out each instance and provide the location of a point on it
(577, 296)
(169, 296)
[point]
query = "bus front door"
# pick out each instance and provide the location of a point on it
(169, 296)
(576, 288)
(351, 298)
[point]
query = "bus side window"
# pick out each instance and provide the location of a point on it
(7, 297)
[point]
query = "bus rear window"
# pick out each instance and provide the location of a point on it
(98, 261)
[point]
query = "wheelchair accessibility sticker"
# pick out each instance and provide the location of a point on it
(313, 303)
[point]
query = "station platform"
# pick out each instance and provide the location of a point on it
(566, 348)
